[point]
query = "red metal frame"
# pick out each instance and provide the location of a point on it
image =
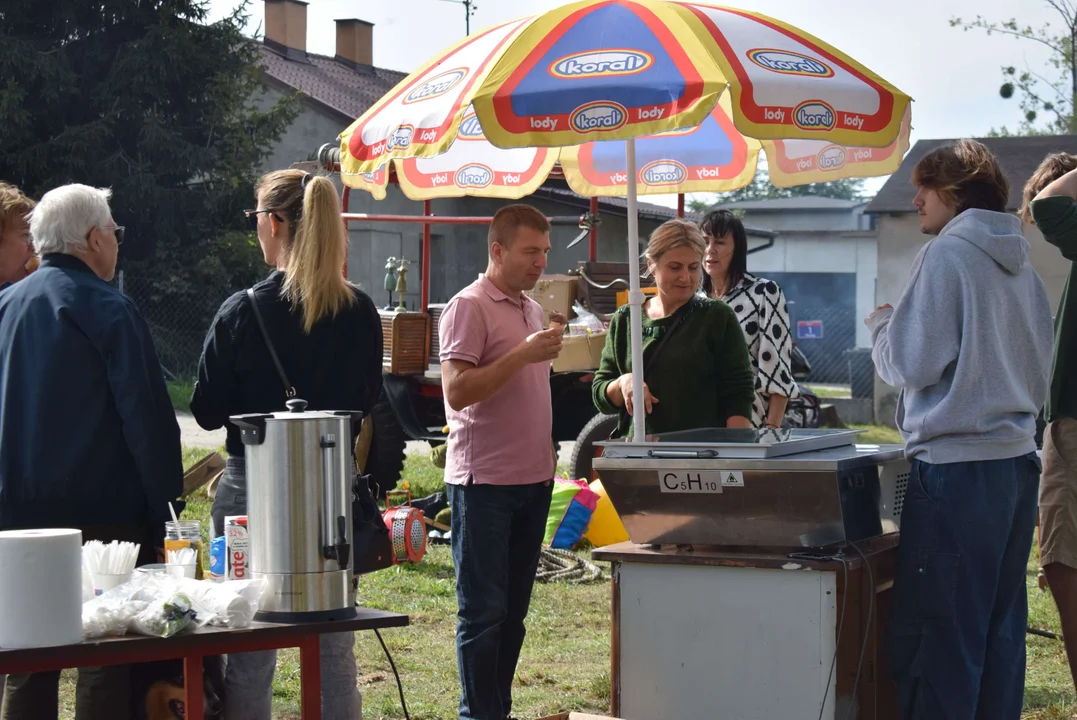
(428, 218)
(424, 296)
(96, 654)
(592, 241)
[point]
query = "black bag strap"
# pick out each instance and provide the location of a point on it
(289, 390)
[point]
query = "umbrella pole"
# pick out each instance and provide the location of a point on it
(635, 299)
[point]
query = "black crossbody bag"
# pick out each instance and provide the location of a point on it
(372, 546)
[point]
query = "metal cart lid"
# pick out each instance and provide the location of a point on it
(706, 443)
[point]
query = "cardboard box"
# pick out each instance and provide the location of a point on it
(555, 293)
(580, 352)
(202, 473)
(622, 295)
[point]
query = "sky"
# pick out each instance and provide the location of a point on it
(953, 76)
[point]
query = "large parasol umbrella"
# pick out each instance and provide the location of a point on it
(712, 157)
(619, 70)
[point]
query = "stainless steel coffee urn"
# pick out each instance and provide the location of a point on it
(300, 476)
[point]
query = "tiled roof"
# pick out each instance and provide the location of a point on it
(348, 90)
(803, 202)
(1019, 157)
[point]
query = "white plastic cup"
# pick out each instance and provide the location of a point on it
(153, 569)
(181, 571)
(103, 582)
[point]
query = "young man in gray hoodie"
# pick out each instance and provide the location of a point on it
(969, 345)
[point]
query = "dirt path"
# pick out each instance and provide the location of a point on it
(191, 435)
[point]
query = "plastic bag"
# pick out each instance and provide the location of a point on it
(585, 322)
(230, 604)
(109, 617)
(167, 617)
(571, 507)
(149, 604)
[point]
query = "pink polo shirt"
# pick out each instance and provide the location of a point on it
(506, 439)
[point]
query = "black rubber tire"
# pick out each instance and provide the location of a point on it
(583, 453)
(386, 460)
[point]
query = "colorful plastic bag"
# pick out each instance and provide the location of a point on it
(571, 507)
(606, 527)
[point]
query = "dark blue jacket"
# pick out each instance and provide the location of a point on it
(88, 434)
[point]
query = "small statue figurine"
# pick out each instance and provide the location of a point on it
(402, 283)
(390, 280)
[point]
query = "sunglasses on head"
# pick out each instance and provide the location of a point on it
(252, 217)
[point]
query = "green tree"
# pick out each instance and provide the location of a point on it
(146, 97)
(1046, 95)
(761, 189)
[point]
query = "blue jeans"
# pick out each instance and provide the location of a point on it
(497, 533)
(956, 642)
(248, 677)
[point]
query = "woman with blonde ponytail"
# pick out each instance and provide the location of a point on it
(327, 335)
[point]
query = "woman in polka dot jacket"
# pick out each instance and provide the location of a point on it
(761, 310)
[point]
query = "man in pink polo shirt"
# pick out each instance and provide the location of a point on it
(495, 364)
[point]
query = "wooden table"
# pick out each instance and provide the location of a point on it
(192, 647)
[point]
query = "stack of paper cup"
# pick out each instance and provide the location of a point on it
(40, 588)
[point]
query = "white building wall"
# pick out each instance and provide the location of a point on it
(824, 253)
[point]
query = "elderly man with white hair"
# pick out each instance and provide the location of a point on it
(88, 435)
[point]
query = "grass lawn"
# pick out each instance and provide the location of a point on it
(180, 392)
(565, 662)
(877, 435)
(830, 391)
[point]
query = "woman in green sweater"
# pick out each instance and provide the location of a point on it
(702, 377)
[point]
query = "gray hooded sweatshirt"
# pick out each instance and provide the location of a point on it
(968, 344)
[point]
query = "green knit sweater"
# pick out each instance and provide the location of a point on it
(1056, 217)
(702, 377)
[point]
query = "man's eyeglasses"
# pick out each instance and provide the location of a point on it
(252, 217)
(117, 230)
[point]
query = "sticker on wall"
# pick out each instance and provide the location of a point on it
(809, 329)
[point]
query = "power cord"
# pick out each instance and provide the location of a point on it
(841, 626)
(399, 686)
(867, 627)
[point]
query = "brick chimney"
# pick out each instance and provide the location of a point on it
(286, 27)
(355, 42)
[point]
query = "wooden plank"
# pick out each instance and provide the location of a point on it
(615, 640)
(736, 557)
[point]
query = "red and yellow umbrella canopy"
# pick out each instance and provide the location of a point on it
(713, 157)
(601, 70)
